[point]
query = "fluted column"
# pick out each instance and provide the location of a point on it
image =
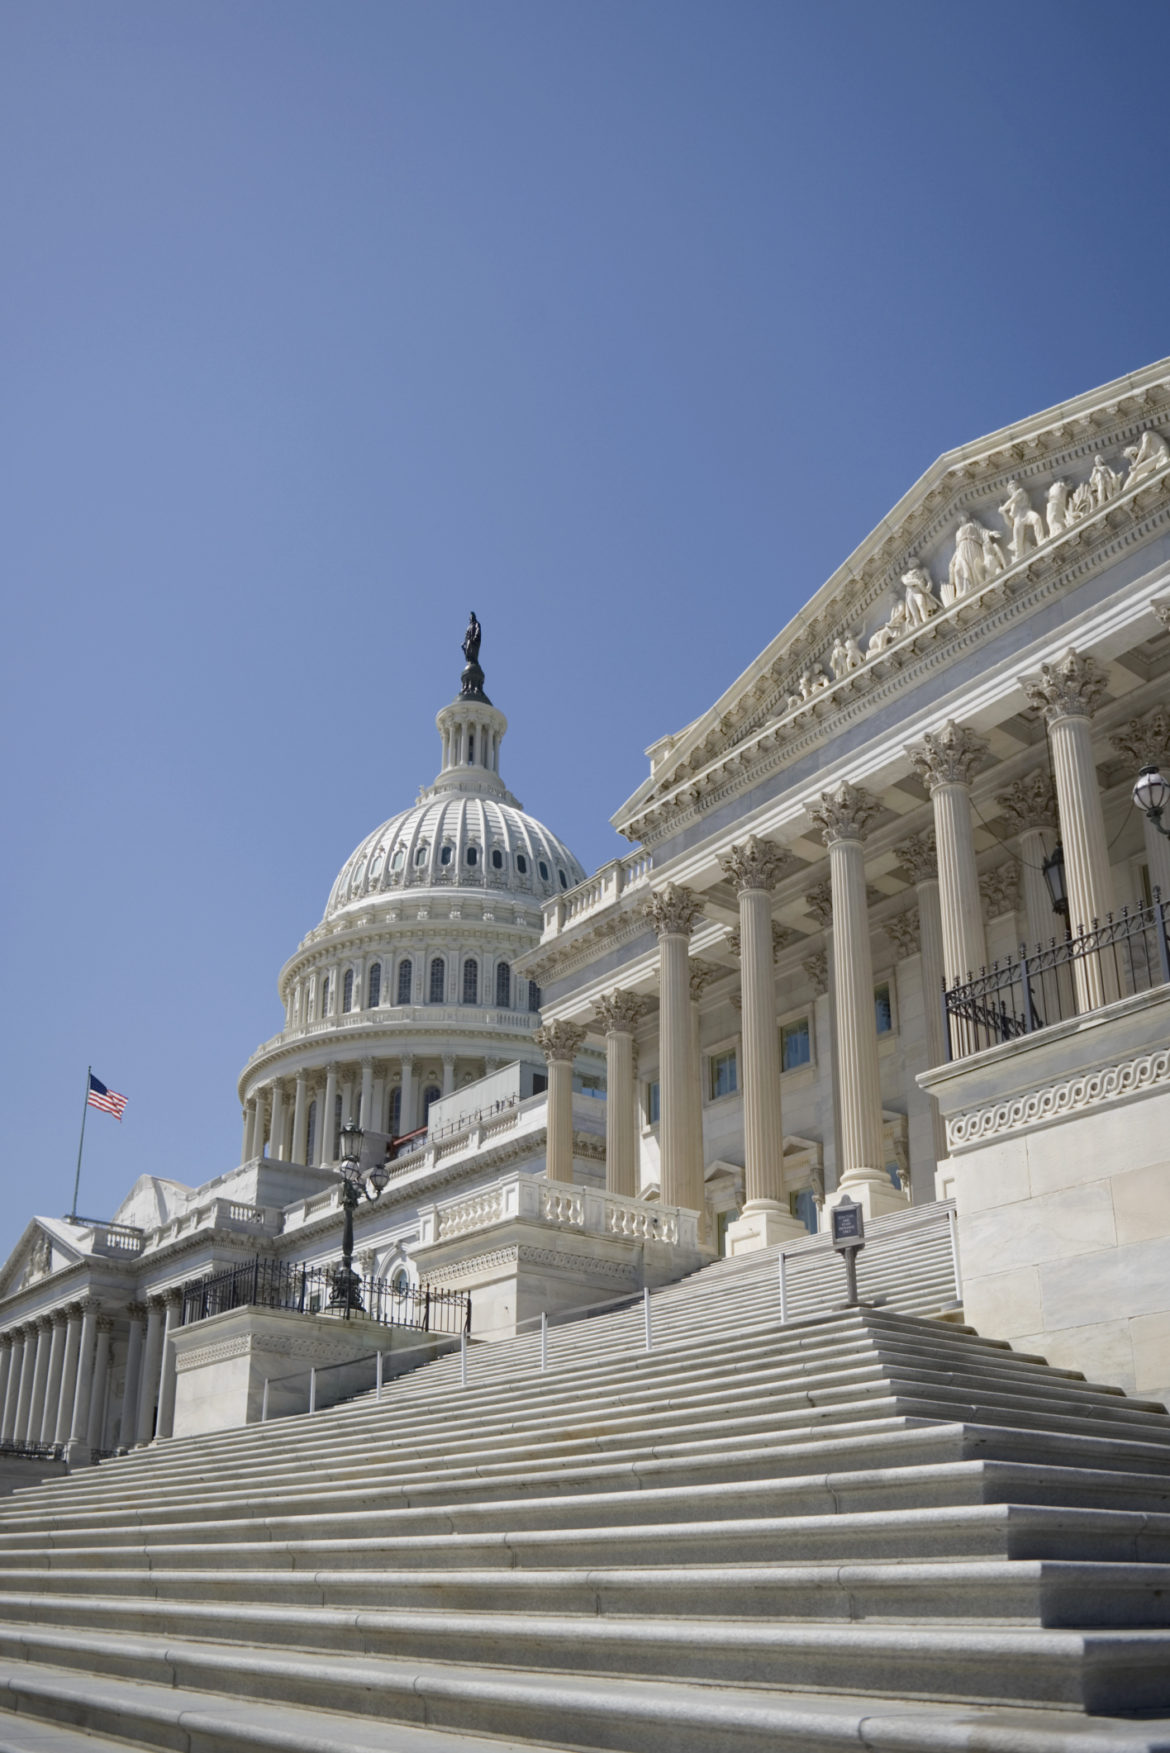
(151, 1360)
(673, 912)
(261, 1135)
(448, 1074)
(246, 1125)
(64, 1420)
(276, 1129)
(166, 1380)
(406, 1119)
(84, 1381)
(95, 1429)
(128, 1430)
(754, 868)
(560, 1043)
(1029, 807)
(6, 1358)
(327, 1155)
(945, 762)
(301, 1118)
(843, 816)
(1068, 693)
(365, 1113)
(699, 976)
(15, 1348)
(28, 1355)
(1145, 742)
(619, 1014)
(36, 1411)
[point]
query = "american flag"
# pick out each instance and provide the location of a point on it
(109, 1101)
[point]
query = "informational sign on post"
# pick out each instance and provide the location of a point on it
(847, 1222)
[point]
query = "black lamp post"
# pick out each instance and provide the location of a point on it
(1151, 794)
(346, 1294)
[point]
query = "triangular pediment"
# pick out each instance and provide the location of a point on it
(1024, 498)
(45, 1247)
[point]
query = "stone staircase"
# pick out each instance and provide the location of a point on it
(862, 1528)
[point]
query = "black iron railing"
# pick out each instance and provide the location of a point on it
(1129, 953)
(313, 1290)
(33, 1451)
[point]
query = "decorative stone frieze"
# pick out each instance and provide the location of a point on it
(1029, 802)
(560, 1040)
(844, 814)
(755, 864)
(1073, 687)
(950, 756)
(1109, 1083)
(999, 888)
(620, 1012)
(672, 911)
(904, 932)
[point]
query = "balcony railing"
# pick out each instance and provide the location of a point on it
(310, 1290)
(1128, 954)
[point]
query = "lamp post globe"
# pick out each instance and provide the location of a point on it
(1151, 794)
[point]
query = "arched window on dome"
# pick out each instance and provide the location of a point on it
(405, 979)
(438, 980)
(347, 990)
(374, 987)
(399, 859)
(564, 879)
(521, 864)
(420, 856)
(311, 1131)
(504, 985)
(543, 869)
(471, 854)
(533, 996)
(446, 854)
(497, 858)
(324, 995)
(471, 981)
(430, 1097)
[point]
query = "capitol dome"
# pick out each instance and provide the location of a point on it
(405, 990)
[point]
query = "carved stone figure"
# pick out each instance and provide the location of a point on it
(1104, 481)
(920, 599)
(977, 558)
(894, 629)
(846, 656)
(1056, 508)
(1023, 522)
(812, 681)
(1080, 505)
(1147, 458)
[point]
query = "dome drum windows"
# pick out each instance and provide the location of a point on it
(347, 991)
(471, 854)
(471, 981)
(405, 980)
(438, 981)
(504, 986)
(497, 858)
(374, 986)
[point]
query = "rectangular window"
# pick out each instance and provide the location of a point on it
(722, 1079)
(795, 1044)
(653, 1103)
(882, 1010)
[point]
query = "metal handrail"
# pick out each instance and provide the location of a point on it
(312, 1290)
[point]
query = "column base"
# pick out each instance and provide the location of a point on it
(78, 1454)
(874, 1192)
(762, 1226)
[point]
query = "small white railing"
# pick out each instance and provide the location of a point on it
(533, 1199)
(603, 889)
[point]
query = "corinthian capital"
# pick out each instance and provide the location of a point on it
(755, 864)
(700, 975)
(1029, 802)
(904, 932)
(817, 969)
(948, 756)
(1000, 888)
(1073, 687)
(1145, 741)
(620, 1012)
(559, 1040)
(844, 814)
(818, 898)
(919, 856)
(672, 911)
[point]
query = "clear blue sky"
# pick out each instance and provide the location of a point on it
(622, 321)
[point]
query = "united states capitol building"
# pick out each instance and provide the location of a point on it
(519, 1309)
(580, 1085)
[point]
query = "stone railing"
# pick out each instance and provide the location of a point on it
(217, 1214)
(601, 890)
(117, 1239)
(533, 1199)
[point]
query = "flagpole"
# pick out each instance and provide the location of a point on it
(81, 1140)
